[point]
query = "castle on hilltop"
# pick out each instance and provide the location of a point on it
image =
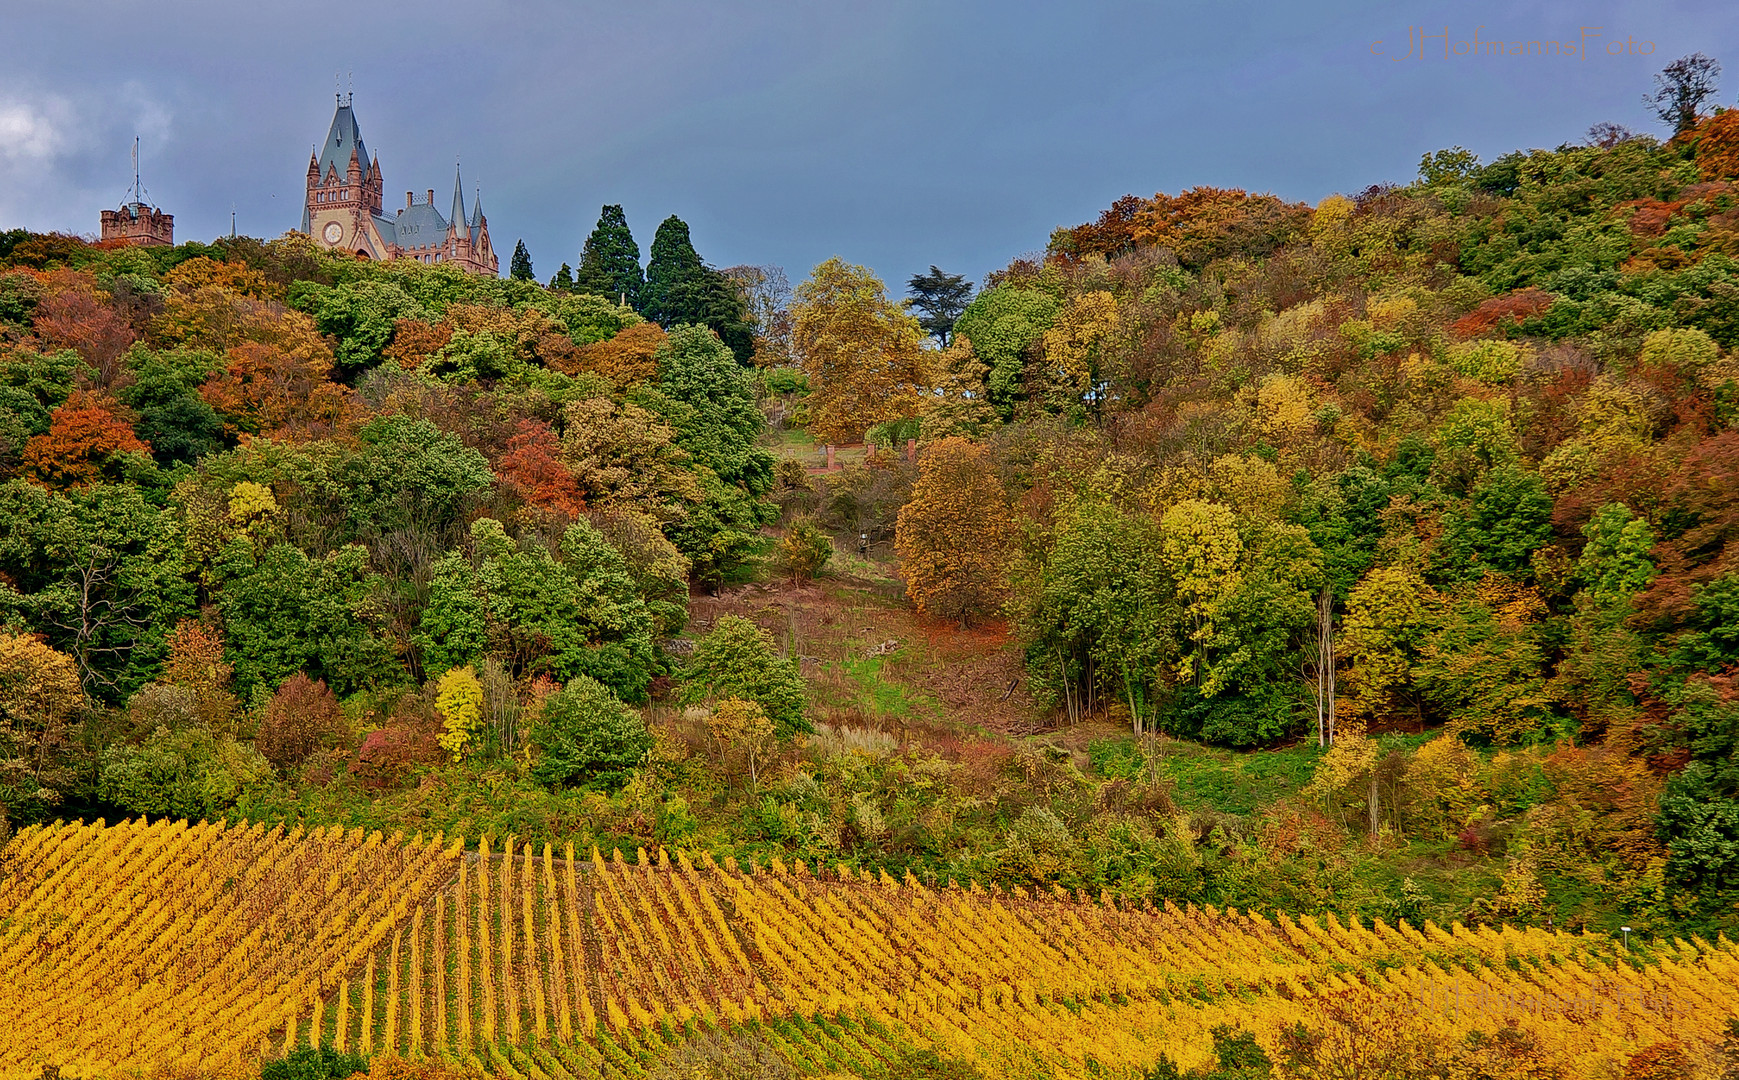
(343, 211)
(137, 222)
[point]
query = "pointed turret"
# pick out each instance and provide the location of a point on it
(343, 141)
(456, 219)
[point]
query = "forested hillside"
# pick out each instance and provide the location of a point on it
(1375, 557)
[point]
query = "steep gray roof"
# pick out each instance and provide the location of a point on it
(418, 226)
(343, 138)
(477, 217)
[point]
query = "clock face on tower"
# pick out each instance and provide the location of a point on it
(334, 232)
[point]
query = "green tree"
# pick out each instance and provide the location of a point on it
(99, 572)
(941, 297)
(563, 281)
(1002, 324)
(568, 612)
(584, 736)
(680, 289)
(737, 660)
(360, 316)
(610, 261)
(520, 268)
(174, 420)
(1508, 517)
(284, 612)
(1100, 618)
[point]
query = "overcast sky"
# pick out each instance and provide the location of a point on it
(893, 134)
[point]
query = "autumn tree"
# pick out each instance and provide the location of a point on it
(742, 728)
(533, 469)
(861, 351)
(301, 717)
(626, 359)
(953, 536)
(40, 701)
(196, 662)
(459, 700)
(89, 441)
(75, 314)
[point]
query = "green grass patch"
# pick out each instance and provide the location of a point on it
(1233, 782)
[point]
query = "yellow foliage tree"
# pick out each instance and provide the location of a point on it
(40, 697)
(459, 700)
(1072, 349)
(953, 536)
(742, 727)
(863, 353)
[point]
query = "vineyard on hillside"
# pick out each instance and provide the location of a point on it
(170, 946)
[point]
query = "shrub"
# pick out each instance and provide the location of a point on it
(585, 736)
(310, 1063)
(180, 774)
(301, 717)
(804, 551)
(459, 700)
(737, 660)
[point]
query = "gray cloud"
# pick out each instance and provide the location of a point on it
(895, 134)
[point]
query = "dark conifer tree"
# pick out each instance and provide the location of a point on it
(564, 279)
(680, 289)
(520, 268)
(610, 261)
(941, 297)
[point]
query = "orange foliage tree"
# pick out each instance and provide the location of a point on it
(862, 352)
(533, 468)
(625, 359)
(953, 536)
(74, 314)
(414, 341)
(1718, 146)
(1198, 225)
(87, 441)
(196, 662)
(279, 381)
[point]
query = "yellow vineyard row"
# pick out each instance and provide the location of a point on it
(142, 947)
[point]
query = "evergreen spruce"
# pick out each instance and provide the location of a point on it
(681, 289)
(520, 268)
(564, 279)
(610, 261)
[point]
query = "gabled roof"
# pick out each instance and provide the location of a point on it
(343, 139)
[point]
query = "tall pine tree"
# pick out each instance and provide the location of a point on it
(682, 289)
(564, 279)
(610, 261)
(520, 268)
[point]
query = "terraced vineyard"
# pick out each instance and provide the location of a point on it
(176, 946)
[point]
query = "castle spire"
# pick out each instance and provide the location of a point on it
(457, 218)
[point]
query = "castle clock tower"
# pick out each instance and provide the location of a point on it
(343, 211)
(344, 192)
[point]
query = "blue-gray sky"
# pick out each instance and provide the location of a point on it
(895, 134)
